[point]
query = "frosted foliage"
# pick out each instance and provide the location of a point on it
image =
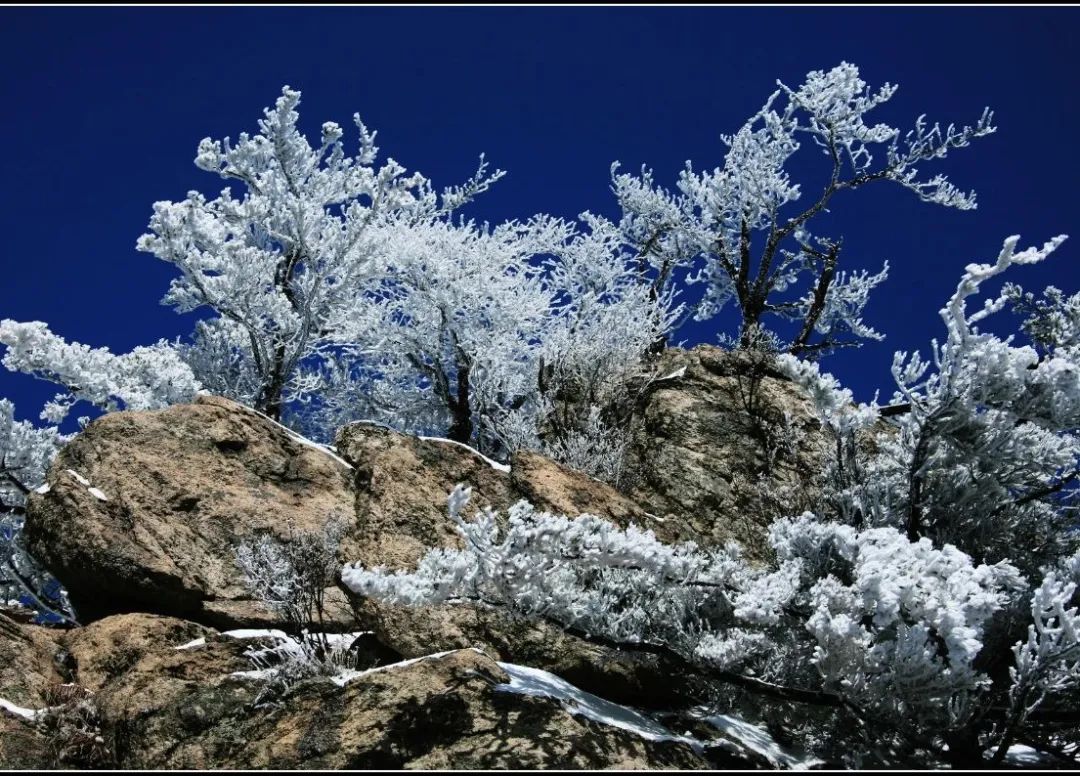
(459, 312)
(843, 306)
(25, 454)
(1052, 322)
(286, 258)
(219, 357)
(291, 576)
(1047, 664)
(584, 573)
(740, 229)
(901, 638)
(609, 317)
(833, 403)
(987, 456)
(597, 449)
(146, 378)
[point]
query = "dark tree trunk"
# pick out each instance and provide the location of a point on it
(461, 426)
(270, 401)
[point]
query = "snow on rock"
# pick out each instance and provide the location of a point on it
(680, 372)
(344, 677)
(758, 740)
(343, 640)
(79, 478)
(324, 449)
(257, 633)
(43, 489)
(258, 674)
(347, 675)
(95, 492)
(534, 681)
(199, 642)
(502, 467)
(19, 711)
(1022, 756)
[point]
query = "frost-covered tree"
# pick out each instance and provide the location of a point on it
(289, 257)
(338, 289)
(865, 610)
(744, 230)
(455, 321)
(510, 336)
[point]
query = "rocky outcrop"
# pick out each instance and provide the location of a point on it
(442, 712)
(151, 697)
(718, 454)
(143, 510)
(142, 513)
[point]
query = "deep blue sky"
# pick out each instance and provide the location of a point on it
(103, 109)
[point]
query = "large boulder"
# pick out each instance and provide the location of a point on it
(143, 510)
(725, 446)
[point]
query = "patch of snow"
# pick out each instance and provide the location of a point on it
(97, 494)
(342, 640)
(333, 639)
(1021, 756)
(680, 372)
(259, 673)
(199, 642)
(533, 681)
(79, 478)
(43, 489)
(493, 464)
(325, 450)
(654, 517)
(19, 711)
(257, 633)
(343, 678)
(758, 740)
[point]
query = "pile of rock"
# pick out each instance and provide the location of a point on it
(140, 519)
